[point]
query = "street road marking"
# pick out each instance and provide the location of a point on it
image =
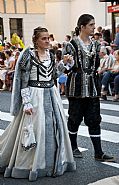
(82, 149)
(102, 106)
(105, 118)
(1, 131)
(109, 106)
(5, 116)
(110, 119)
(106, 135)
(116, 165)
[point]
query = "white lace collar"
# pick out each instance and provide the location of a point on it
(86, 48)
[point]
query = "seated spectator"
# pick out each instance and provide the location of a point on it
(53, 42)
(111, 76)
(6, 67)
(116, 40)
(10, 73)
(106, 63)
(2, 59)
(62, 77)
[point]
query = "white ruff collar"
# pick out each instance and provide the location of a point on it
(86, 48)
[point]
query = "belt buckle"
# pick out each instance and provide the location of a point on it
(48, 84)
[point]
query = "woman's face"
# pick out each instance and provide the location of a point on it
(43, 40)
(6, 55)
(116, 55)
(89, 28)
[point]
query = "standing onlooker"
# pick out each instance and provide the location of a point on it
(107, 38)
(99, 29)
(8, 64)
(116, 40)
(62, 77)
(67, 38)
(53, 42)
(112, 76)
(82, 88)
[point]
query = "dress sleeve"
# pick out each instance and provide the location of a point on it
(26, 98)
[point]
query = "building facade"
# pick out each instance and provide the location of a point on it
(59, 16)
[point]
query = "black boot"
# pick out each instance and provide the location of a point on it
(99, 155)
(76, 152)
(97, 145)
(73, 139)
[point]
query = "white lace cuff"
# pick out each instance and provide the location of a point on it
(25, 93)
(26, 98)
(27, 106)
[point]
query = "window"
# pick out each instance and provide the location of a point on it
(1, 29)
(16, 27)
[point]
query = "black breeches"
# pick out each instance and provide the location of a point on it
(87, 108)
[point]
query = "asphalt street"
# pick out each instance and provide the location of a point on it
(88, 170)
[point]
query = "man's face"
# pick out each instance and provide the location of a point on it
(101, 54)
(89, 28)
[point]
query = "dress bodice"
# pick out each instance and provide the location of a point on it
(41, 71)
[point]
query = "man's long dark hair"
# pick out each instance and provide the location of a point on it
(84, 19)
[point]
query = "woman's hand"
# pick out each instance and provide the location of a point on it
(28, 108)
(29, 111)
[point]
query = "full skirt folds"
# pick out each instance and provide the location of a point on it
(53, 154)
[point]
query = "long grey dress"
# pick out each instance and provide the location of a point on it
(53, 154)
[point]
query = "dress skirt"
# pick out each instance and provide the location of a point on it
(53, 154)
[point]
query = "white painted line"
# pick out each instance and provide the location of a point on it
(82, 149)
(116, 165)
(105, 118)
(102, 105)
(5, 116)
(109, 107)
(110, 119)
(1, 131)
(105, 134)
(65, 101)
(66, 112)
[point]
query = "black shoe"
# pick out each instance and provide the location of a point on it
(77, 153)
(2, 169)
(104, 158)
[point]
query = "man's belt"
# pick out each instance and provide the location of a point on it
(41, 84)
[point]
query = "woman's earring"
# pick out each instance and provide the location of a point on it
(36, 45)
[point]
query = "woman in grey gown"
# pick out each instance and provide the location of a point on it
(36, 142)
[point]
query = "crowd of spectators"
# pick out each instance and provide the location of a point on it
(108, 71)
(8, 57)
